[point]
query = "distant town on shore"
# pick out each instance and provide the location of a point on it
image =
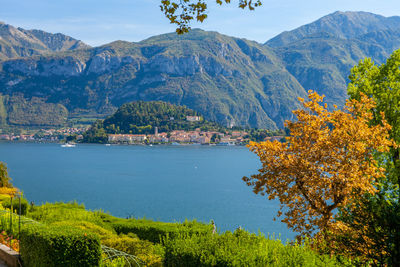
(225, 137)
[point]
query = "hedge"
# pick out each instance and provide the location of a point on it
(239, 249)
(59, 246)
(6, 203)
(131, 244)
(155, 231)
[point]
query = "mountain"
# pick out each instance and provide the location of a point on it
(229, 80)
(18, 42)
(320, 54)
(343, 25)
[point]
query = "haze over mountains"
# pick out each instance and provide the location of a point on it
(47, 78)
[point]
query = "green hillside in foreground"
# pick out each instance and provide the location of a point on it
(66, 234)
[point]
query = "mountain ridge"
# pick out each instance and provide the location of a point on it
(345, 25)
(227, 79)
(18, 42)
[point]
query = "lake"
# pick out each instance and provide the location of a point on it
(166, 183)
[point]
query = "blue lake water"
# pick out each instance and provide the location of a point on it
(166, 183)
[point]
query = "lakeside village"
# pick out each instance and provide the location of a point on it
(227, 138)
(45, 135)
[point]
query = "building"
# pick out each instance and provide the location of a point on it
(193, 118)
(126, 138)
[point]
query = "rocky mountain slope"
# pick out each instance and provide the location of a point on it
(18, 42)
(343, 25)
(320, 54)
(227, 79)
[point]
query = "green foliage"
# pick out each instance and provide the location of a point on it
(131, 244)
(59, 246)
(182, 244)
(375, 218)
(35, 111)
(95, 134)
(6, 203)
(259, 135)
(239, 249)
(378, 216)
(103, 233)
(10, 226)
(155, 231)
(382, 83)
(50, 213)
(142, 249)
(114, 262)
(142, 117)
(5, 180)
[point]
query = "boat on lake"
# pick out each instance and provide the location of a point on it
(68, 145)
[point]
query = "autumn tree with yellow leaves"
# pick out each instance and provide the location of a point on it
(325, 163)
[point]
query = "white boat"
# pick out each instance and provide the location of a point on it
(108, 144)
(68, 145)
(226, 143)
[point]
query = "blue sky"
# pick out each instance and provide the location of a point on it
(98, 22)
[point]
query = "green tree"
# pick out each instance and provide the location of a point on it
(5, 180)
(377, 217)
(183, 12)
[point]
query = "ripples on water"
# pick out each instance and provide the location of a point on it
(167, 183)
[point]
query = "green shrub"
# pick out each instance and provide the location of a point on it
(4, 197)
(155, 231)
(50, 213)
(131, 244)
(59, 246)
(6, 203)
(115, 262)
(142, 249)
(239, 249)
(88, 227)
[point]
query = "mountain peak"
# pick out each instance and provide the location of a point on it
(342, 24)
(19, 42)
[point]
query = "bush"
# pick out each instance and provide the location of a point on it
(6, 203)
(155, 231)
(131, 244)
(50, 213)
(142, 249)
(59, 246)
(88, 227)
(239, 249)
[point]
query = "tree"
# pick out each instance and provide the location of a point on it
(183, 12)
(376, 218)
(381, 83)
(5, 180)
(326, 161)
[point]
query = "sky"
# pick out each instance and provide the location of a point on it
(98, 22)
